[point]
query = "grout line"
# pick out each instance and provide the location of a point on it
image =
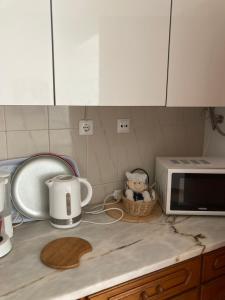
(4, 116)
(48, 121)
(86, 160)
(22, 130)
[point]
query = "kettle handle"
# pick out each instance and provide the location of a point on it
(89, 191)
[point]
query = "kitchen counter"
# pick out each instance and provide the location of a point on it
(121, 252)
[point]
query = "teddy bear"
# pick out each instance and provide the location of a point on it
(137, 189)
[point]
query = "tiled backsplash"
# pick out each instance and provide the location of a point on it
(214, 143)
(104, 157)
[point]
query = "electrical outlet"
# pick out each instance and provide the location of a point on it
(86, 127)
(123, 126)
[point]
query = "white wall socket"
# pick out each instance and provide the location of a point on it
(123, 126)
(86, 127)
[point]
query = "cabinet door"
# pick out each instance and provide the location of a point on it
(197, 47)
(25, 52)
(214, 290)
(191, 295)
(213, 264)
(111, 52)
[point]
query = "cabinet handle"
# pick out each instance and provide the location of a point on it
(159, 289)
(144, 296)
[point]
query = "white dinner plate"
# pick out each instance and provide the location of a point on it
(29, 192)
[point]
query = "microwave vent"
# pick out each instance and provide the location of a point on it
(185, 161)
(175, 161)
(190, 161)
(205, 162)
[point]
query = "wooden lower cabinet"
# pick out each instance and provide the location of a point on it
(190, 295)
(200, 278)
(163, 284)
(213, 265)
(214, 290)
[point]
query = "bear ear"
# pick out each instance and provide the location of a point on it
(143, 177)
(129, 175)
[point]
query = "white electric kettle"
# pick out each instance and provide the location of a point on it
(65, 200)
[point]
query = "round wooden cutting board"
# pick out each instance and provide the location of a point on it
(64, 253)
(115, 214)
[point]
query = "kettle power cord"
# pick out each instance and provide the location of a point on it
(21, 222)
(115, 195)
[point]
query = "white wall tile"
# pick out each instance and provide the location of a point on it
(105, 156)
(68, 142)
(65, 117)
(170, 116)
(101, 191)
(22, 143)
(101, 156)
(194, 115)
(195, 138)
(214, 143)
(128, 154)
(144, 117)
(105, 117)
(3, 146)
(26, 117)
(2, 119)
(154, 131)
(138, 150)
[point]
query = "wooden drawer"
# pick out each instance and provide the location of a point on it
(214, 290)
(190, 295)
(213, 264)
(162, 284)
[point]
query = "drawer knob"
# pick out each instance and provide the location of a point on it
(144, 296)
(159, 289)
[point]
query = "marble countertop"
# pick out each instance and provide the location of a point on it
(121, 252)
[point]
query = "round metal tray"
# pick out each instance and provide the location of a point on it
(30, 194)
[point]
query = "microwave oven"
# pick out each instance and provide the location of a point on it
(191, 185)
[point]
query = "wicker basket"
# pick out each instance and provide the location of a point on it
(138, 208)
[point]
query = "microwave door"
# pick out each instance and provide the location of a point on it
(197, 192)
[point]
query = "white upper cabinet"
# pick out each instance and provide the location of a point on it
(25, 53)
(111, 52)
(197, 53)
